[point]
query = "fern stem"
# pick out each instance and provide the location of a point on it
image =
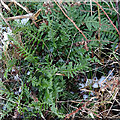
(48, 50)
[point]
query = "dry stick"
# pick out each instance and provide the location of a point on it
(90, 111)
(72, 101)
(5, 6)
(20, 6)
(91, 6)
(26, 11)
(20, 17)
(118, 20)
(30, 16)
(107, 16)
(68, 115)
(112, 23)
(5, 21)
(110, 107)
(71, 20)
(115, 9)
(114, 95)
(115, 116)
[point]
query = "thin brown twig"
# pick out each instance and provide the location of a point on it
(107, 16)
(90, 111)
(71, 20)
(27, 10)
(69, 101)
(68, 115)
(110, 107)
(86, 103)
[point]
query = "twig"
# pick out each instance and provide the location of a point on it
(5, 21)
(86, 103)
(115, 116)
(87, 90)
(68, 115)
(90, 111)
(116, 110)
(6, 6)
(114, 95)
(33, 20)
(20, 17)
(107, 16)
(60, 74)
(72, 101)
(107, 76)
(110, 108)
(91, 6)
(71, 20)
(118, 20)
(21, 6)
(116, 10)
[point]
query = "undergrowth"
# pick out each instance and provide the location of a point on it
(41, 65)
